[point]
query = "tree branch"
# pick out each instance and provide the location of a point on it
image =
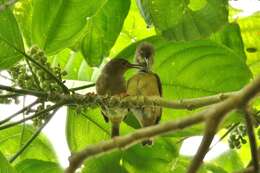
(128, 140)
(217, 114)
(82, 87)
(213, 114)
(94, 100)
(10, 95)
(23, 91)
(18, 112)
(57, 105)
(252, 139)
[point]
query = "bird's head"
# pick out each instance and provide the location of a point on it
(144, 55)
(119, 66)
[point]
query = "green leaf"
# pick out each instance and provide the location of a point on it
(194, 69)
(11, 140)
(74, 64)
(85, 128)
(103, 30)
(186, 20)
(33, 166)
(23, 14)
(230, 36)
(134, 29)
(10, 39)
(5, 167)
(60, 24)
(250, 27)
(136, 159)
(154, 159)
(181, 164)
(229, 161)
(108, 162)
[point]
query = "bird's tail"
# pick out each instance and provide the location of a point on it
(115, 130)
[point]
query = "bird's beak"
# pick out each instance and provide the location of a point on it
(136, 66)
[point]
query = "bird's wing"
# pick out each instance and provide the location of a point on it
(159, 83)
(101, 85)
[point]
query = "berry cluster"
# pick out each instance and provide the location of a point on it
(237, 137)
(29, 75)
(38, 121)
(25, 74)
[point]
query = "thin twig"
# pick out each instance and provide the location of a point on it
(57, 105)
(5, 77)
(23, 91)
(11, 95)
(224, 135)
(252, 139)
(34, 136)
(37, 82)
(19, 112)
(82, 87)
(23, 126)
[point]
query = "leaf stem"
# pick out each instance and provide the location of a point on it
(34, 136)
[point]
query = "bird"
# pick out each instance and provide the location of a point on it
(145, 83)
(111, 82)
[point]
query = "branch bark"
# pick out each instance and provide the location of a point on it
(218, 112)
(213, 114)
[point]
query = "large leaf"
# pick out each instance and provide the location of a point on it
(74, 64)
(23, 13)
(33, 166)
(88, 127)
(10, 39)
(137, 159)
(85, 128)
(250, 27)
(186, 20)
(229, 161)
(5, 167)
(103, 30)
(182, 163)
(230, 36)
(134, 29)
(59, 24)
(12, 139)
(194, 69)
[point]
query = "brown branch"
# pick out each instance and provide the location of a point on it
(123, 142)
(213, 115)
(23, 91)
(252, 139)
(217, 114)
(94, 100)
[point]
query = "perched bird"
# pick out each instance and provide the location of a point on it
(145, 83)
(111, 82)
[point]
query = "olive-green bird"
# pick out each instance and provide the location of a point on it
(111, 82)
(145, 83)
